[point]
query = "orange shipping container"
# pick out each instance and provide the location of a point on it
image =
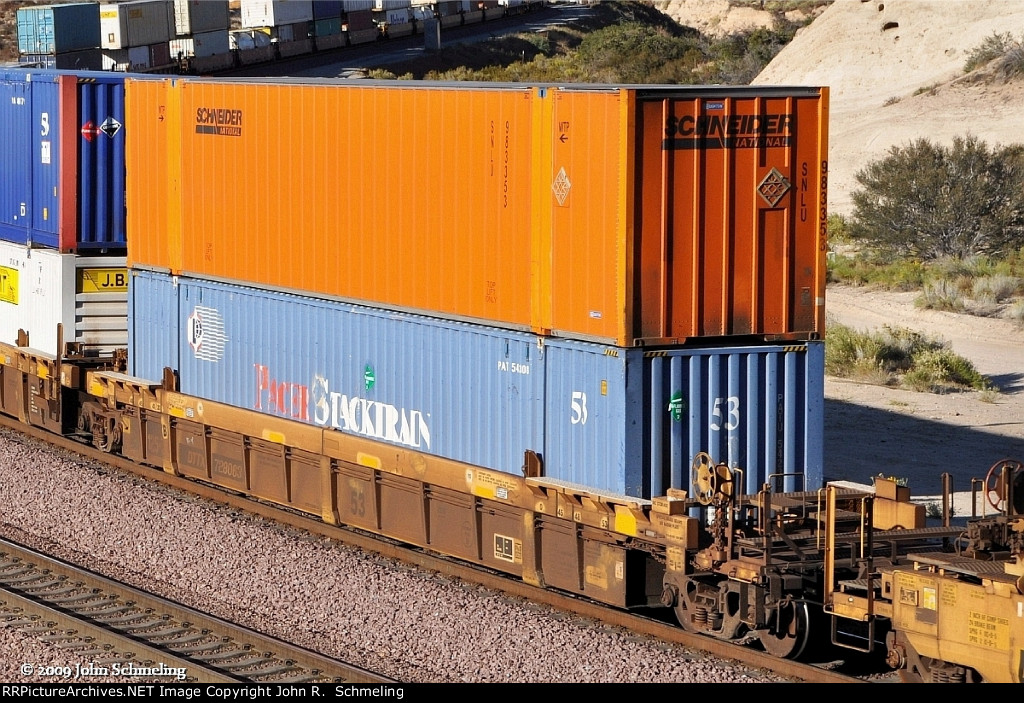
(639, 215)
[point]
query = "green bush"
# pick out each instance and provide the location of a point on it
(996, 46)
(897, 356)
(927, 202)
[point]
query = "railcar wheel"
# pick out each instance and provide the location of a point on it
(686, 607)
(789, 634)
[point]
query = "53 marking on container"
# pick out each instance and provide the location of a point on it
(113, 280)
(9, 285)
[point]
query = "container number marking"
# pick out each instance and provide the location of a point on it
(732, 413)
(114, 280)
(9, 285)
(579, 408)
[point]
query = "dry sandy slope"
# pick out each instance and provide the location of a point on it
(874, 56)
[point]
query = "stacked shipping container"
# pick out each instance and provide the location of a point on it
(62, 208)
(60, 36)
(626, 216)
(606, 295)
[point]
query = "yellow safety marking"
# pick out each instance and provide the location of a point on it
(368, 460)
(9, 285)
(272, 436)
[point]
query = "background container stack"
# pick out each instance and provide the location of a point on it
(357, 22)
(288, 22)
(60, 36)
(327, 24)
(62, 209)
(621, 278)
(134, 35)
(394, 17)
(201, 34)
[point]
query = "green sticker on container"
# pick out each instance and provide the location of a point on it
(368, 377)
(676, 406)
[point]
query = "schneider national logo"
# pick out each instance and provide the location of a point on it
(220, 121)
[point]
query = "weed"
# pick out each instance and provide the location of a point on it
(941, 294)
(1016, 312)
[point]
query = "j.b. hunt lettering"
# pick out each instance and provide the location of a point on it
(353, 414)
(222, 121)
(728, 131)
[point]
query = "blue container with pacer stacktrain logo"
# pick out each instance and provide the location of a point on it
(625, 421)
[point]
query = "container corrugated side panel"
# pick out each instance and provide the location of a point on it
(15, 160)
(38, 293)
(151, 176)
(101, 167)
(43, 288)
(57, 29)
(630, 422)
(464, 392)
(30, 125)
(463, 257)
(195, 16)
(47, 166)
(328, 9)
(152, 325)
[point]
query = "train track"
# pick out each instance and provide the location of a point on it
(123, 631)
(823, 672)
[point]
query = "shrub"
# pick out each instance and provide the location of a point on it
(993, 47)
(941, 295)
(995, 289)
(899, 356)
(926, 202)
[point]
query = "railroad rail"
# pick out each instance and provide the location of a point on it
(123, 630)
(819, 672)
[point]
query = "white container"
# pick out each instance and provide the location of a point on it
(200, 16)
(203, 45)
(391, 4)
(138, 23)
(40, 288)
(356, 5)
(271, 13)
(137, 59)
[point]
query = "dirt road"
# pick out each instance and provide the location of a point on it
(871, 429)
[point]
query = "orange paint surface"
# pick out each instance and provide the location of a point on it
(569, 211)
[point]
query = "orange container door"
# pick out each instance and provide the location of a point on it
(728, 240)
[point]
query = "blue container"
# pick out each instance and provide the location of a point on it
(327, 9)
(618, 420)
(55, 29)
(63, 159)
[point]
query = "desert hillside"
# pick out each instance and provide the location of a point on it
(895, 72)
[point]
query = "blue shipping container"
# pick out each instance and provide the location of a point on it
(63, 159)
(327, 9)
(56, 29)
(619, 420)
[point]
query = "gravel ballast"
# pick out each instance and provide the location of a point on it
(407, 623)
